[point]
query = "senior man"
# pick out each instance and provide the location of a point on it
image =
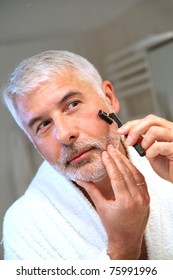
(93, 197)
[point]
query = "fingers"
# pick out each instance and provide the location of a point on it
(124, 217)
(138, 127)
(158, 134)
(157, 142)
(116, 176)
(123, 174)
(160, 148)
(94, 193)
(126, 181)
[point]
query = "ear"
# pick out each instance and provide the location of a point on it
(110, 95)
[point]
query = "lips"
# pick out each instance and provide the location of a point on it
(79, 156)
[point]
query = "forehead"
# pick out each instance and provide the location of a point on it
(52, 91)
(56, 84)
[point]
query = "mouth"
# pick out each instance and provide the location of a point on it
(82, 155)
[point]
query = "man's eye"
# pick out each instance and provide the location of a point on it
(73, 104)
(43, 125)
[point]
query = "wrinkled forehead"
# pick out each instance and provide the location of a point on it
(58, 86)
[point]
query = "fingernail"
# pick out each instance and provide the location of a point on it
(121, 129)
(111, 148)
(105, 154)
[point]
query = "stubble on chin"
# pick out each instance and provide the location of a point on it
(90, 169)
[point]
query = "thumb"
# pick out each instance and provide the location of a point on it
(93, 192)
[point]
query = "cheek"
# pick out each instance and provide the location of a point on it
(92, 124)
(49, 150)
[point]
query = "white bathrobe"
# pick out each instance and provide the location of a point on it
(54, 220)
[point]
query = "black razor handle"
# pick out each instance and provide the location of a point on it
(109, 119)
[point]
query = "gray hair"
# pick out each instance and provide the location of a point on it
(31, 72)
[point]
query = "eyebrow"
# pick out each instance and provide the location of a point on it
(68, 95)
(64, 99)
(34, 120)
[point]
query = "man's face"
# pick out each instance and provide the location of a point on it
(62, 120)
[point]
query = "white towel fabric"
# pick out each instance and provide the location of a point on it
(54, 220)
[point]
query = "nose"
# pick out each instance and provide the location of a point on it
(65, 131)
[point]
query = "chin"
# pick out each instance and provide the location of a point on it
(90, 175)
(88, 172)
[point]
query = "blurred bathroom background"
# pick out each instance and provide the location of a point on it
(129, 41)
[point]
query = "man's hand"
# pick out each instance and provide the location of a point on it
(124, 217)
(157, 141)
